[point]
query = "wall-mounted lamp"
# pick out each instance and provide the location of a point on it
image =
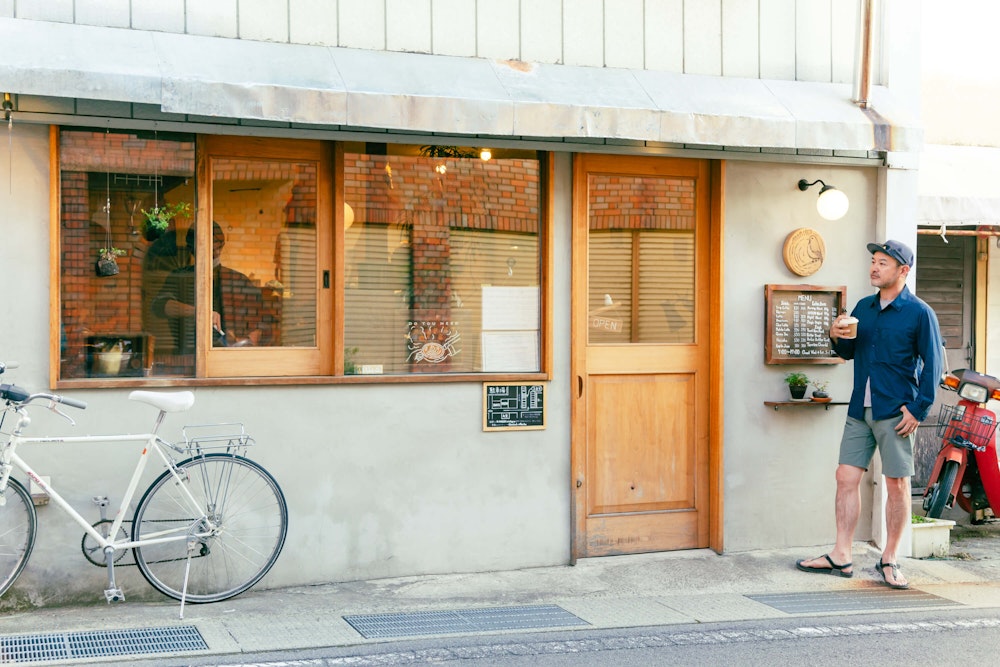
(485, 154)
(832, 203)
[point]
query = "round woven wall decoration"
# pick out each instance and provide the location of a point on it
(804, 251)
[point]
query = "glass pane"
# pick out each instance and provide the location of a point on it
(641, 259)
(442, 262)
(126, 194)
(264, 285)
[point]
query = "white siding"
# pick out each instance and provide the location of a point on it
(813, 60)
(213, 19)
(264, 20)
(497, 34)
(703, 37)
(664, 35)
(740, 34)
(454, 27)
(806, 40)
(110, 13)
(312, 22)
(541, 32)
(777, 39)
(408, 25)
(583, 33)
(362, 24)
(623, 32)
(162, 15)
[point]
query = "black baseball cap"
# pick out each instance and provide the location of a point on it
(895, 249)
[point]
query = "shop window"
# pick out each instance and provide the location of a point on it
(431, 265)
(442, 262)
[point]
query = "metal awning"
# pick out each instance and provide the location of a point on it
(957, 186)
(327, 86)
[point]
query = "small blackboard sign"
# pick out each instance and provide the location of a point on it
(798, 319)
(513, 406)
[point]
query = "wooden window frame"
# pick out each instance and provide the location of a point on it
(330, 207)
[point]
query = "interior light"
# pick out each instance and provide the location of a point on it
(348, 216)
(832, 203)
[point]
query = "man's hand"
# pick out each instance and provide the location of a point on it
(908, 424)
(837, 330)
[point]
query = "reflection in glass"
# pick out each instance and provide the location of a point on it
(442, 263)
(641, 259)
(133, 192)
(264, 282)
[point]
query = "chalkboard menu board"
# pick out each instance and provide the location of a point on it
(512, 406)
(798, 319)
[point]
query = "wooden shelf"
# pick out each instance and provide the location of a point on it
(797, 404)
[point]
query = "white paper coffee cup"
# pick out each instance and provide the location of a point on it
(852, 327)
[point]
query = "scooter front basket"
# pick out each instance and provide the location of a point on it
(960, 422)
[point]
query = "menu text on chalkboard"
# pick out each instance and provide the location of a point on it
(798, 319)
(513, 406)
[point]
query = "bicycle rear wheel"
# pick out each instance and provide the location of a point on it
(244, 510)
(18, 524)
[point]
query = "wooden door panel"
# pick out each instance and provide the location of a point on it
(644, 447)
(642, 351)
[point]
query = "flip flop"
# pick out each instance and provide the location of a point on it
(880, 568)
(833, 569)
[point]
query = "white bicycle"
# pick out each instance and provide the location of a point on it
(207, 529)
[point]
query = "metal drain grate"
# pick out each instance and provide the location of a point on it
(494, 619)
(15, 649)
(861, 600)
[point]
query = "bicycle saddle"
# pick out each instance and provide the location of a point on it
(168, 401)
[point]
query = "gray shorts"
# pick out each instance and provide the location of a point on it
(861, 437)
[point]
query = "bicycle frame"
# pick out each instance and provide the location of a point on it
(153, 443)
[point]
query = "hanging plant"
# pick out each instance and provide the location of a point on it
(107, 261)
(158, 218)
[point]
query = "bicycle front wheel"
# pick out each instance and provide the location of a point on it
(236, 530)
(18, 524)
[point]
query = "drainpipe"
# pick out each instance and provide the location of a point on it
(863, 53)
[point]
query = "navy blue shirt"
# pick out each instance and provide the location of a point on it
(900, 349)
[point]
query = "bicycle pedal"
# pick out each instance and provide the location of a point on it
(114, 595)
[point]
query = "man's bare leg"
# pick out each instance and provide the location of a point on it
(848, 509)
(898, 509)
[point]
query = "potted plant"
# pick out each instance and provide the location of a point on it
(930, 538)
(797, 384)
(158, 218)
(820, 389)
(107, 261)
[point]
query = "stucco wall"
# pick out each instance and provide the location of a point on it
(381, 480)
(779, 465)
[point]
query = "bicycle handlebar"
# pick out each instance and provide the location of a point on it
(15, 394)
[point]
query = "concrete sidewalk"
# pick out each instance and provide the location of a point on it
(616, 592)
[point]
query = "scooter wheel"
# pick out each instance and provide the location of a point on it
(941, 491)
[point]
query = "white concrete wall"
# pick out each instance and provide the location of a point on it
(381, 480)
(779, 465)
(805, 40)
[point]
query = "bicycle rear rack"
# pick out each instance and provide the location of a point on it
(230, 438)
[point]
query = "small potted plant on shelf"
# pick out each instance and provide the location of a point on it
(820, 393)
(107, 261)
(158, 218)
(797, 384)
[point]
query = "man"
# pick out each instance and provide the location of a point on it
(237, 304)
(897, 367)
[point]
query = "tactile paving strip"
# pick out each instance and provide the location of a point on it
(871, 599)
(33, 648)
(493, 619)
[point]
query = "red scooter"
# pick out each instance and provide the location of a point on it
(967, 469)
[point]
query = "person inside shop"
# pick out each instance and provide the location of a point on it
(897, 353)
(237, 304)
